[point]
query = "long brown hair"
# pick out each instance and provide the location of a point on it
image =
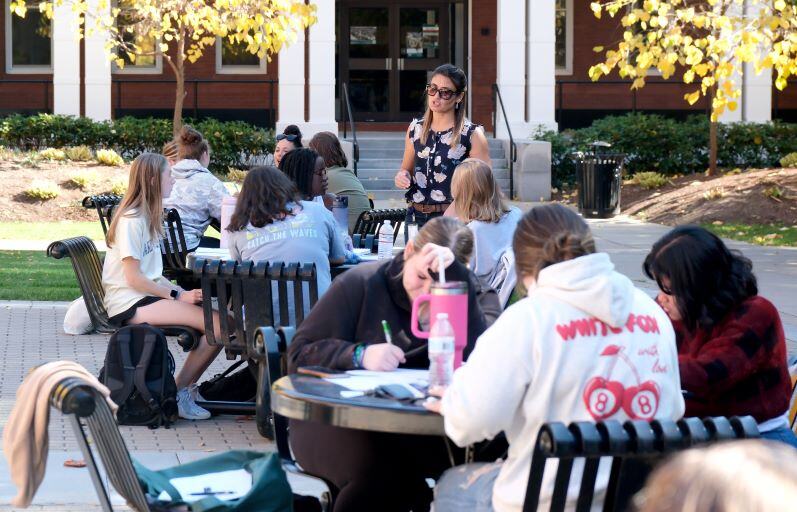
(143, 195)
(327, 145)
(549, 234)
(191, 143)
(447, 232)
(264, 198)
(460, 81)
(476, 193)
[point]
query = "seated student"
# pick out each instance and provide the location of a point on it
(731, 346)
(369, 470)
(135, 290)
(750, 475)
(342, 181)
(309, 172)
(287, 141)
(479, 202)
(197, 193)
(272, 223)
(584, 345)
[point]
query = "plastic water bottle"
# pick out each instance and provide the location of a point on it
(385, 241)
(441, 351)
(412, 230)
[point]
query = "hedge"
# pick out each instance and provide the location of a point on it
(232, 143)
(657, 143)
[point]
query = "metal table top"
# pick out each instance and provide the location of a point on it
(302, 397)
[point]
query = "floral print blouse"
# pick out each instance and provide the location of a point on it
(435, 161)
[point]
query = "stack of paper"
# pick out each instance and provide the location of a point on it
(361, 381)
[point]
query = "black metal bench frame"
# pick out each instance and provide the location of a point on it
(634, 445)
(366, 228)
(104, 204)
(246, 289)
(88, 269)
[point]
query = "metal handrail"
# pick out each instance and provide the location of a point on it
(272, 111)
(349, 118)
(512, 145)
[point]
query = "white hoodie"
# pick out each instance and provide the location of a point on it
(585, 345)
(196, 195)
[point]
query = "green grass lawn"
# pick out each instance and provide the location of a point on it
(50, 230)
(31, 275)
(759, 234)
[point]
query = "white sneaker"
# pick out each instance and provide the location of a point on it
(193, 390)
(187, 407)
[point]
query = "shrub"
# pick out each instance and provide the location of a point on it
(236, 175)
(79, 153)
(789, 160)
(57, 155)
(42, 190)
(774, 192)
(119, 186)
(84, 179)
(109, 157)
(714, 193)
(649, 180)
(232, 143)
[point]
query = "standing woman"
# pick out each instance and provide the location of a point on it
(436, 144)
(136, 291)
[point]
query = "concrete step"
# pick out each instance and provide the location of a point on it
(395, 164)
(387, 183)
(391, 142)
(398, 153)
(390, 173)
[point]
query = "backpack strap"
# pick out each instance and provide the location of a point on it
(124, 338)
(141, 370)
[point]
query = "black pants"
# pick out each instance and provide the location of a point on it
(419, 218)
(371, 470)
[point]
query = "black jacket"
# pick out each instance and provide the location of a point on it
(352, 310)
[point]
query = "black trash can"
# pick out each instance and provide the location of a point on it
(599, 174)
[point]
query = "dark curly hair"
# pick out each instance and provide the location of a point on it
(264, 198)
(706, 279)
(299, 165)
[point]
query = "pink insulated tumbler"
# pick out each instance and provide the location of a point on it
(451, 298)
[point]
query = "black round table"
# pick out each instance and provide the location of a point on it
(302, 397)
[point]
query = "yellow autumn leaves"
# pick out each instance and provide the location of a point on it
(708, 43)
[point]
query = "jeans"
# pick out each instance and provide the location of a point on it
(466, 488)
(782, 434)
(419, 218)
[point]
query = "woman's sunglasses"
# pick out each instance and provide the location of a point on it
(445, 94)
(288, 137)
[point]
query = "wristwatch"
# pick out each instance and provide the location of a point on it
(174, 294)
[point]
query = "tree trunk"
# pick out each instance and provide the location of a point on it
(179, 94)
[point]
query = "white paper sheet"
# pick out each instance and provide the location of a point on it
(212, 253)
(224, 485)
(366, 380)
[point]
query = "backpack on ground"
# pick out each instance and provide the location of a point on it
(138, 371)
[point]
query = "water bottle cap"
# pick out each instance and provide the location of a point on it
(442, 316)
(388, 223)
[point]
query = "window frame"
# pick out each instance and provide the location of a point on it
(133, 69)
(18, 69)
(260, 69)
(568, 68)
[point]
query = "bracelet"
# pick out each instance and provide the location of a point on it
(357, 356)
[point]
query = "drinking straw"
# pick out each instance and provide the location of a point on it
(441, 269)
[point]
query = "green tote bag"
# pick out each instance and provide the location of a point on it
(270, 491)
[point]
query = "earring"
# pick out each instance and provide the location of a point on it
(456, 106)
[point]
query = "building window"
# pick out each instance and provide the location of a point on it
(29, 45)
(149, 61)
(564, 37)
(233, 58)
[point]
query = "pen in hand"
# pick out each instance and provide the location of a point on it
(388, 334)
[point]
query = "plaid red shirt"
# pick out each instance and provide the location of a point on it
(739, 366)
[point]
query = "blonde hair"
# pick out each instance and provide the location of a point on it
(143, 195)
(547, 235)
(447, 232)
(737, 476)
(460, 81)
(171, 150)
(476, 193)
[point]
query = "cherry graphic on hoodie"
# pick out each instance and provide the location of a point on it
(604, 397)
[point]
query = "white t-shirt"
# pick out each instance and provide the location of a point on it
(132, 240)
(491, 240)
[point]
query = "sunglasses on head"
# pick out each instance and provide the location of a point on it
(288, 137)
(444, 93)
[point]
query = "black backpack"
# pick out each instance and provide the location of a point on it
(138, 371)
